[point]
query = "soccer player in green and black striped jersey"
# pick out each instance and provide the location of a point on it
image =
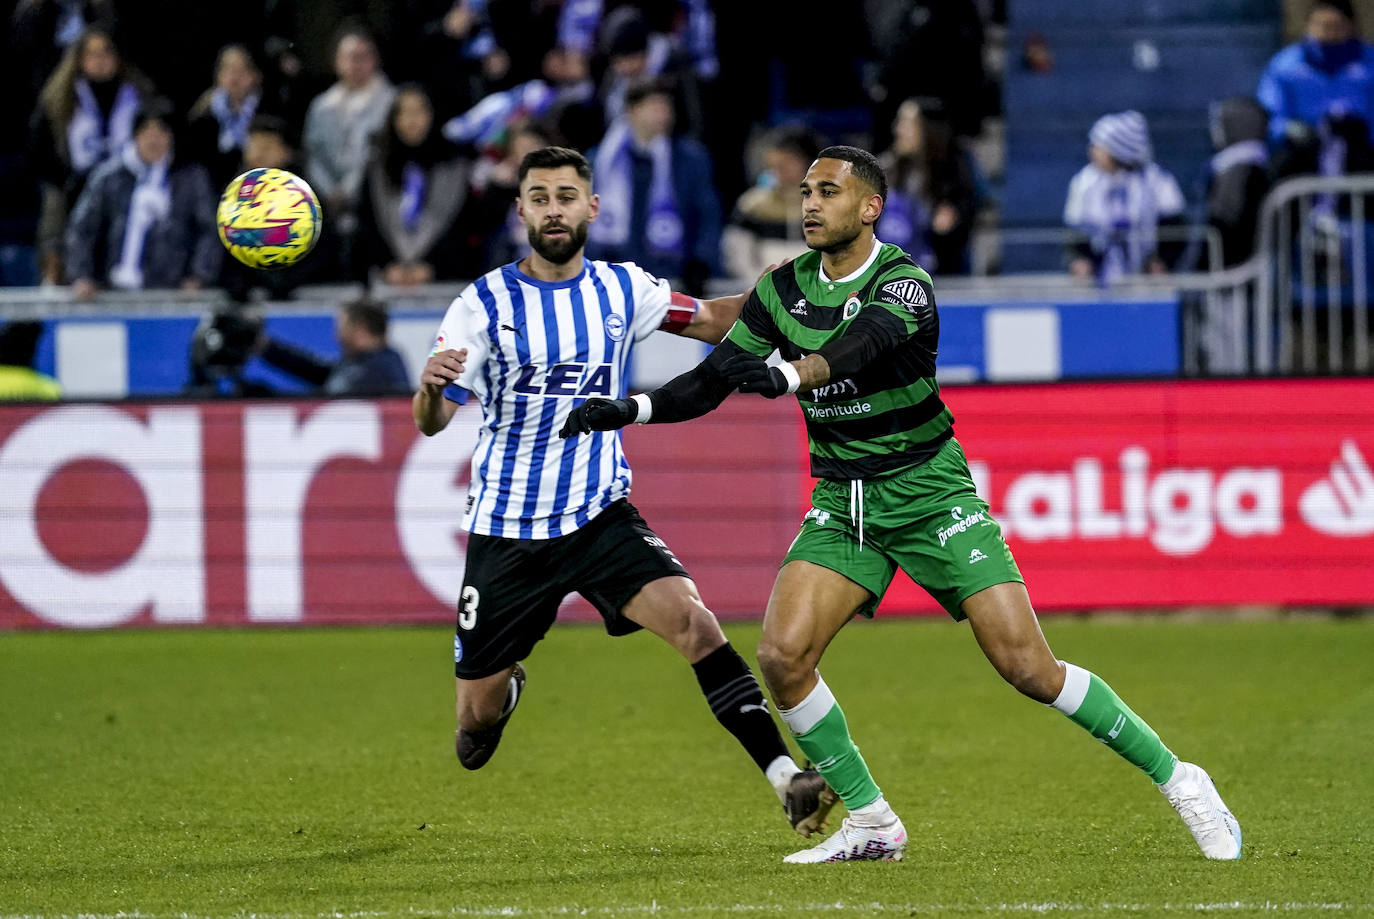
(856, 326)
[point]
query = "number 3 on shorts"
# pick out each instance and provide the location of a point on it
(467, 613)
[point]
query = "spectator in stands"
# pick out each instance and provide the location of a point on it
(85, 115)
(454, 52)
(1319, 94)
(1238, 175)
(633, 54)
(19, 381)
(931, 49)
(144, 220)
(765, 227)
(494, 233)
(338, 131)
(932, 196)
(563, 99)
(413, 192)
(271, 144)
(218, 123)
(42, 30)
(658, 202)
(1118, 201)
(368, 365)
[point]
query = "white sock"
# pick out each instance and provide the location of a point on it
(779, 773)
(807, 713)
(1179, 775)
(875, 813)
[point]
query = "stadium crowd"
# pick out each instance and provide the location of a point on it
(409, 118)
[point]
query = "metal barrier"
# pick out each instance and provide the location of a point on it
(1301, 304)
(1201, 244)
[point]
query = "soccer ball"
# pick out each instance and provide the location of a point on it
(269, 218)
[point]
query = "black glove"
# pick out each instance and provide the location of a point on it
(599, 415)
(751, 373)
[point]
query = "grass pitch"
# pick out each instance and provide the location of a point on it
(311, 773)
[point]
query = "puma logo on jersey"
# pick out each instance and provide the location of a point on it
(573, 379)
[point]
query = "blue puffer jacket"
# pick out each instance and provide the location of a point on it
(1309, 81)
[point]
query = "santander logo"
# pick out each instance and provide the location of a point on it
(1342, 504)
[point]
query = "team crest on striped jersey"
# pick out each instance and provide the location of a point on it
(615, 326)
(851, 306)
(904, 292)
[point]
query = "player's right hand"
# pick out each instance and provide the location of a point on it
(599, 415)
(751, 373)
(443, 368)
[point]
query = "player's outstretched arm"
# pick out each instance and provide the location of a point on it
(687, 396)
(432, 412)
(711, 319)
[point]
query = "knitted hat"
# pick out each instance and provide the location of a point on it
(1124, 135)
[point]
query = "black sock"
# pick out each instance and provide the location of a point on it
(737, 702)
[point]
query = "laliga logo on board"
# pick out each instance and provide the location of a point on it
(1178, 509)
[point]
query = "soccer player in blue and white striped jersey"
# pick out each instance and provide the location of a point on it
(548, 517)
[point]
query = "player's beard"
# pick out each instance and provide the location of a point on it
(835, 238)
(559, 250)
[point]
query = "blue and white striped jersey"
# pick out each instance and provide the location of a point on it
(537, 349)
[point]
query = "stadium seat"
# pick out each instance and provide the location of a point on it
(1169, 59)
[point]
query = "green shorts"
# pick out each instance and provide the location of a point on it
(926, 520)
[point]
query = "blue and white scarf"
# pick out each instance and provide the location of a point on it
(233, 126)
(91, 139)
(150, 202)
(414, 186)
(1119, 212)
(663, 230)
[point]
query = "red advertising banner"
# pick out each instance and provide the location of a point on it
(236, 513)
(1112, 495)
(1177, 494)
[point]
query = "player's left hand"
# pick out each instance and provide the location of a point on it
(599, 415)
(751, 373)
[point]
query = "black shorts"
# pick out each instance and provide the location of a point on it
(512, 588)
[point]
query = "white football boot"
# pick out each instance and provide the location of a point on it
(1191, 792)
(852, 842)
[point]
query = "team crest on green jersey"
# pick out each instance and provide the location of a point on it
(851, 306)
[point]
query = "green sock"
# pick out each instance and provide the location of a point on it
(1090, 703)
(820, 729)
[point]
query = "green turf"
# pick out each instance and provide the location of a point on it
(307, 773)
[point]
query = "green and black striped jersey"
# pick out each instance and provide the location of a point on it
(889, 415)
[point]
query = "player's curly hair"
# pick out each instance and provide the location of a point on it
(865, 166)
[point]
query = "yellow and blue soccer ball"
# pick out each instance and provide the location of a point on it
(269, 218)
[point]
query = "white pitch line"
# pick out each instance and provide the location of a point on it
(656, 908)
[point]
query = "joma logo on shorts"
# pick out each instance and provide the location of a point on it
(960, 525)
